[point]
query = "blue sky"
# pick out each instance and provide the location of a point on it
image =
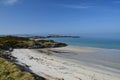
(60, 17)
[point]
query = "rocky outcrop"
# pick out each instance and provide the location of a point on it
(60, 45)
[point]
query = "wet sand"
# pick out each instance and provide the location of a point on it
(93, 56)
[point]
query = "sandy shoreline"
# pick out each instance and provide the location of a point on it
(56, 68)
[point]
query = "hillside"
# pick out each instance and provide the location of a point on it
(22, 42)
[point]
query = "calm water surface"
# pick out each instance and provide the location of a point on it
(91, 42)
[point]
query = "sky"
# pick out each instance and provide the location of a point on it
(60, 17)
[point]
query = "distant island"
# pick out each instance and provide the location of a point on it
(53, 36)
(60, 36)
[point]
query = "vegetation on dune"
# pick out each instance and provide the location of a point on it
(9, 71)
(21, 42)
(6, 56)
(12, 42)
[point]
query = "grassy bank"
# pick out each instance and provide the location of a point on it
(7, 42)
(9, 71)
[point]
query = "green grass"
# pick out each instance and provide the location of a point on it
(9, 71)
(8, 42)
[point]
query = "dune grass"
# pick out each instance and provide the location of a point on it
(8, 42)
(9, 71)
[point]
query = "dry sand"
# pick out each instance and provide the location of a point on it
(56, 68)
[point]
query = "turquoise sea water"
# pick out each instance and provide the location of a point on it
(91, 42)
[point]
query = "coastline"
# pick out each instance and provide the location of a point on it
(57, 68)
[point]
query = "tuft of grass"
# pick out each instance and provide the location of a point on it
(9, 71)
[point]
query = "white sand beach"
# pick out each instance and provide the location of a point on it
(56, 68)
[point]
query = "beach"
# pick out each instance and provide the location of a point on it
(69, 63)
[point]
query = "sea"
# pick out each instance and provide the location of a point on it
(108, 43)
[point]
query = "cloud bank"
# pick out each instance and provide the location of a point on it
(77, 6)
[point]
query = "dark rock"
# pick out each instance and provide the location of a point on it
(60, 45)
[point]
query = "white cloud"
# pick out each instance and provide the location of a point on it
(9, 2)
(77, 6)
